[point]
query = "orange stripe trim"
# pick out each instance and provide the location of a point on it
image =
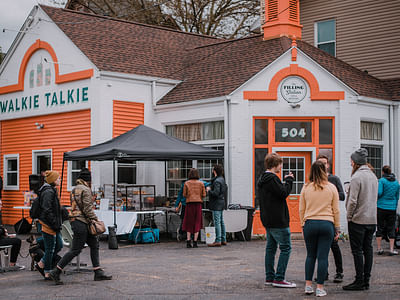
(294, 69)
(58, 78)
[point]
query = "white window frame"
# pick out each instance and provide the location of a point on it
(34, 156)
(7, 187)
(70, 185)
(316, 43)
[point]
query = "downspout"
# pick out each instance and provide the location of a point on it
(153, 93)
(391, 136)
(227, 152)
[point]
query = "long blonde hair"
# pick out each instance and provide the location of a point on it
(318, 175)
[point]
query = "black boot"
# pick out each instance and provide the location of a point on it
(366, 283)
(100, 275)
(55, 276)
(195, 244)
(189, 244)
(355, 286)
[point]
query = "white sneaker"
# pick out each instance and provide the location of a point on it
(308, 290)
(320, 293)
(284, 284)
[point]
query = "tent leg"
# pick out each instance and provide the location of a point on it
(62, 177)
(115, 196)
(165, 176)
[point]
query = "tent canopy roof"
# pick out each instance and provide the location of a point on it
(143, 143)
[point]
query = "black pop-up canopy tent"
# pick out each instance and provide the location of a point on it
(140, 143)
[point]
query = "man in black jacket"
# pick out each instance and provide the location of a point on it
(272, 194)
(335, 245)
(216, 193)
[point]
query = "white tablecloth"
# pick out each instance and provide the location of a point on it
(125, 220)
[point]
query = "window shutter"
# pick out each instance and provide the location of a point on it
(272, 9)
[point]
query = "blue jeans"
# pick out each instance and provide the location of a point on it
(275, 237)
(220, 234)
(318, 236)
(52, 245)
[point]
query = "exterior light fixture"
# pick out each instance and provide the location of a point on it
(39, 126)
(295, 105)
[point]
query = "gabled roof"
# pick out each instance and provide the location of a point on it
(208, 67)
(127, 47)
(219, 69)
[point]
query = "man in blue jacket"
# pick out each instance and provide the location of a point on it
(272, 194)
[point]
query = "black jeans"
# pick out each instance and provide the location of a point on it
(16, 246)
(81, 236)
(337, 255)
(362, 250)
(386, 223)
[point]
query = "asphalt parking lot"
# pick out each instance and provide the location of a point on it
(168, 270)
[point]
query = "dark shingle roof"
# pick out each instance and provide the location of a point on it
(208, 67)
(127, 47)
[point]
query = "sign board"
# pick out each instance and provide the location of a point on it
(293, 89)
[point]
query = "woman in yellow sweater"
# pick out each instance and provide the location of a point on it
(319, 215)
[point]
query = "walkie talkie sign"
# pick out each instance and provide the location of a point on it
(293, 89)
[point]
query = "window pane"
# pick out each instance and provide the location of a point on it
(298, 132)
(328, 47)
(127, 173)
(12, 165)
(261, 131)
(259, 155)
(326, 31)
(375, 158)
(325, 132)
(78, 165)
(12, 178)
(371, 131)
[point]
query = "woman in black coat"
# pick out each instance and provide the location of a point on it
(50, 220)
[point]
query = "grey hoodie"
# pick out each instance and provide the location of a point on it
(362, 197)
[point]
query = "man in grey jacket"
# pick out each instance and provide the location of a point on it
(361, 218)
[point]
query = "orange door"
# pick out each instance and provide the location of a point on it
(299, 163)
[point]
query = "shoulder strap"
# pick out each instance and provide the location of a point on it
(80, 204)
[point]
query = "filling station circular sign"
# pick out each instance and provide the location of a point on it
(293, 89)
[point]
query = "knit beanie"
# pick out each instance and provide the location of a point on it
(85, 175)
(51, 176)
(360, 156)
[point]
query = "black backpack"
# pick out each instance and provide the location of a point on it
(34, 212)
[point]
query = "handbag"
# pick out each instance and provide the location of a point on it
(22, 226)
(95, 227)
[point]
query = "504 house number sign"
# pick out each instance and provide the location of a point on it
(292, 132)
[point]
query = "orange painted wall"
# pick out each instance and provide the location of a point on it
(126, 116)
(62, 132)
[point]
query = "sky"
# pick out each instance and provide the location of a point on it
(13, 14)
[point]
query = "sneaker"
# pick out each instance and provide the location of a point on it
(338, 278)
(380, 251)
(40, 270)
(308, 290)
(394, 252)
(268, 282)
(17, 267)
(320, 293)
(283, 284)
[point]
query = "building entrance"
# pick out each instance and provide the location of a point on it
(299, 163)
